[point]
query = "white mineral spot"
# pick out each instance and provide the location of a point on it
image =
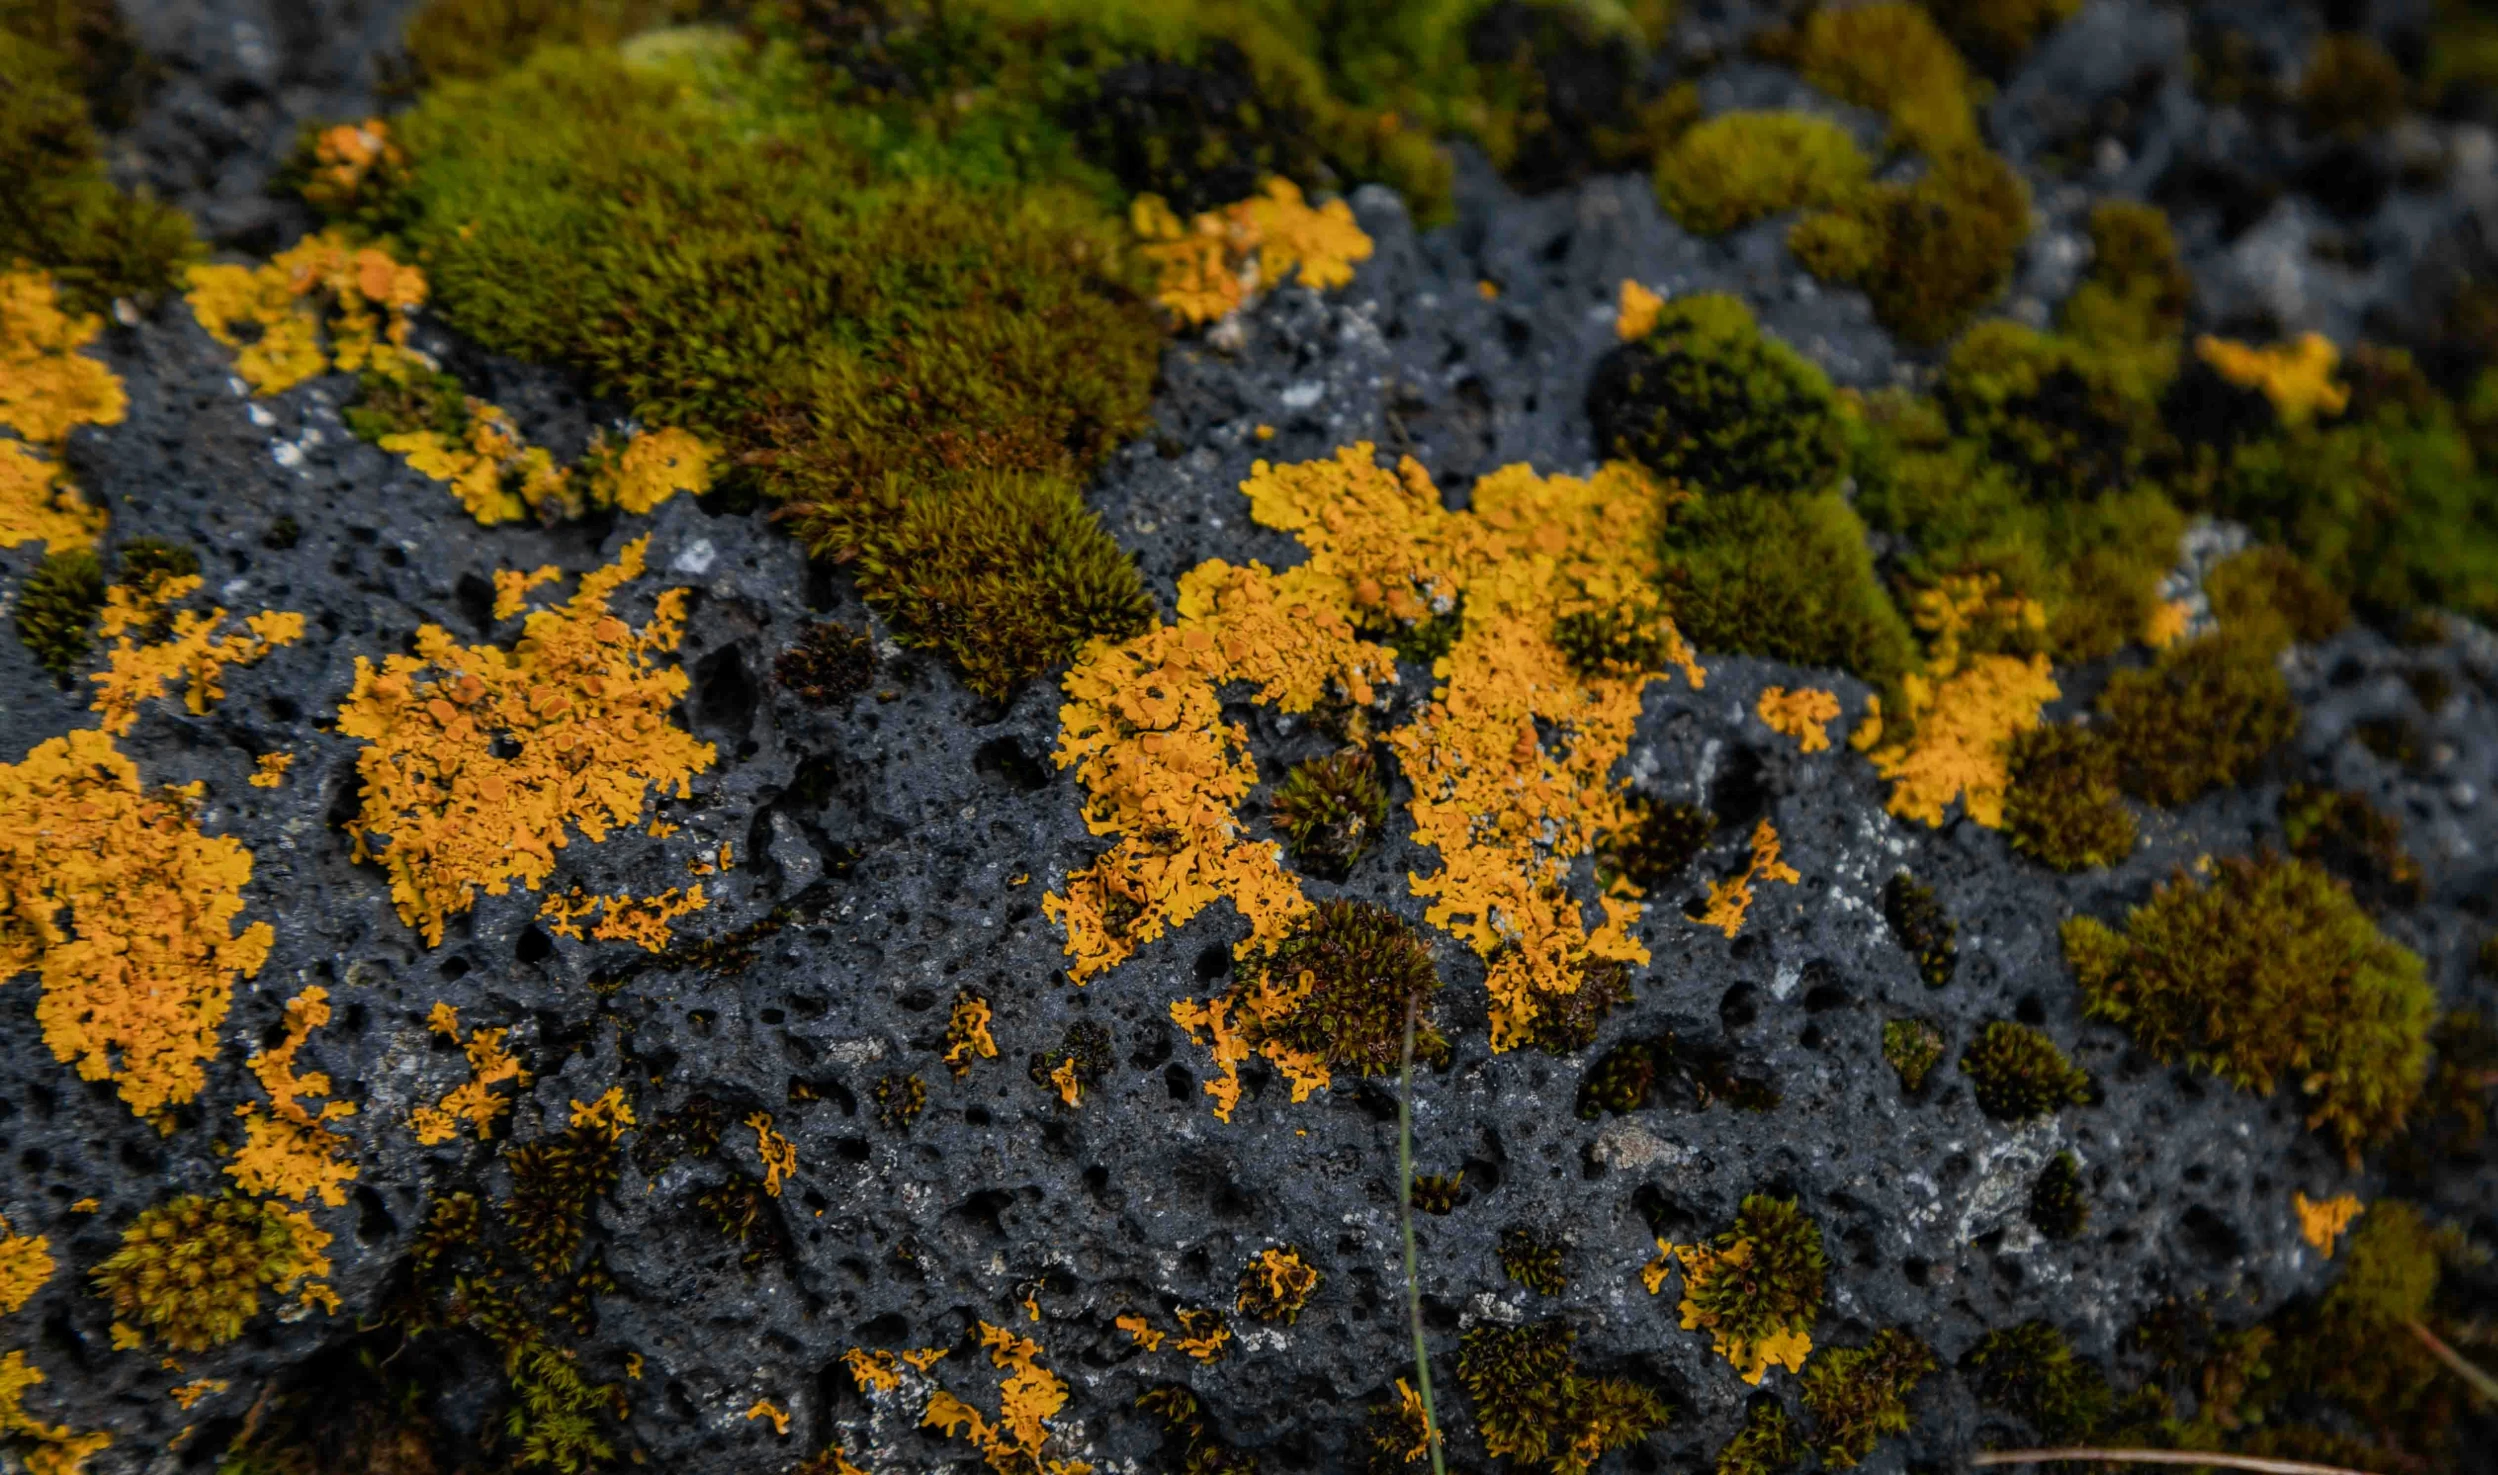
(1302, 395)
(1625, 1145)
(695, 559)
(260, 416)
(855, 1052)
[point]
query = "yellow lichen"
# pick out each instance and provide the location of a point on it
(1017, 1443)
(1964, 710)
(779, 1154)
(38, 504)
(473, 1101)
(1730, 901)
(276, 316)
(872, 1369)
(610, 1115)
(1787, 1346)
(55, 1448)
(967, 1033)
(150, 653)
(344, 156)
(511, 587)
(497, 476)
(1067, 1084)
(2296, 376)
(581, 703)
(125, 911)
(47, 386)
(642, 920)
(764, 1408)
(269, 770)
(1277, 1284)
(1212, 264)
(1142, 1332)
(2321, 1222)
(187, 1394)
(1804, 714)
(1635, 315)
(2167, 623)
(287, 1149)
(25, 1264)
(1202, 1334)
(656, 465)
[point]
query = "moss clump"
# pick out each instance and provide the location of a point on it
(1787, 577)
(60, 212)
(1618, 640)
(1658, 845)
(1331, 811)
(146, 563)
(1929, 253)
(1619, 1082)
(2059, 1205)
(1762, 1280)
(1190, 1445)
(1082, 1059)
(1737, 167)
(1567, 1023)
(2351, 87)
(1859, 1394)
(1913, 1047)
(900, 1098)
(1891, 57)
(2018, 1073)
(1768, 1441)
(1708, 399)
(828, 664)
(411, 399)
(2063, 808)
(2030, 1371)
(1920, 924)
(1533, 1405)
(56, 607)
(2343, 832)
(2267, 593)
(191, 1270)
(2269, 971)
(1532, 1258)
(2200, 718)
(1996, 33)
(1368, 973)
(1439, 1193)
(478, 38)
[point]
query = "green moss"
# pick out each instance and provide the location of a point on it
(1891, 57)
(2343, 832)
(2063, 808)
(828, 664)
(1618, 640)
(2201, 717)
(1084, 1051)
(1790, 578)
(146, 563)
(1368, 973)
(2351, 87)
(2017, 1073)
(1619, 1082)
(2059, 1205)
(1708, 399)
(2267, 593)
(95, 48)
(554, 1181)
(190, 1271)
(1331, 811)
(1778, 1284)
(60, 212)
(1567, 1023)
(1996, 33)
(1768, 1441)
(478, 38)
(2030, 1371)
(55, 609)
(740, 1209)
(1190, 1445)
(1439, 1193)
(1533, 1405)
(2268, 973)
(1658, 845)
(1737, 167)
(1920, 925)
(1859, 1394)
(409, 400)
(1913, 1047)
(1532, 1258)
(900, 1098)
(1929, 253)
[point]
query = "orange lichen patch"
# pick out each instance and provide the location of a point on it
(149, 654)
(779, 1154)
(473, 1101)
(2167, 623)
(1635, 314)
(1964, 710)
(1785, 1347)
(610, 1114)
(1277, 1284)
(356, 296)
(1016, 1444)
(1202, 1334)
(764, 1408)
(1410, 1414)
(872, 1369)
(656, 465)
(1804, 714)
(187, 1394)
(269, 770)
(47, 386)
(25, 1264)
(1068, 1085)
(1731, 900)
(56, 1449)
(511, 587)
(289, 1150)
(1212, 264)
(1231, 1047)
(2296, 376)
(38, 504)
(1142, 1332)
(112, 896)
(967, 1033)
(344, 156)
(498, 476)
(580, 701)
(643, 920)
(2321, 1222)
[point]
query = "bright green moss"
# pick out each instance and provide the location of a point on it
(2199, 718)
(1737, 167)
(190, 1271)
(56, 608)
(2267, 974)
(1891, 57)
(1331, 810)
(2063, 808)
(1767, 1443)
(1368, 973)
(2017, 1073)
(2030, 1371)
(2059, 1206)
(1929, 253)
(59, 212)
(1708, 399)
(2351, 87)
(1859, 1394)
(1532, 1258)
(1787, 577)
(1534, 1406)
(1920, 925)
(1913, 1047)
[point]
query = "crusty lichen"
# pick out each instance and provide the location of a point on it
(25, 1264)
(1964, 709)
(155, 645)
(1804, 714)
(1212, 265)
(322, 303)
(48, 388)
(2296, 376)
(648, 922)
(48, 1449)
(473, 1101)
(967, 1036)
(1017, 1441)
(1276, 1283)
(289, 1150)
(583, 700)
(2321, 1222)
(1730, 901)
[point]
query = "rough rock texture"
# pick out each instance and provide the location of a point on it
(912, 832)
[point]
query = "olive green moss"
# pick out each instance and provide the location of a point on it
(1617, 640)
(1997, 33)
(1767, 1443)
(1930, 252)
(1633, 1073)
(1567, 1023)
(2030, 1371)
(1707, 399)
(146, 563)
(2059, 1205)
(94, 46)
(1439, 1193)
(1658, 845)
(1084, 1051)
(1190, 1445)
(2266, 592)
(828, 664)
(1919, 924)
(1737, 167)
(1619, 1082)
(2351, 87)
(448, 39)
(2200, 717)
(1859, 1394)
(1786, 577)
(1532, 1258)
(2017, 1073)
(2268, 974)
(2358, 842)
(900, 1098)
(191, 1271)
(1534, 1406)
(1777, 1285)
(1913, 1047)
(1368, 974)
(2063, 808)
(1891, 57)
(410, 400)
(1331, 810)
(57, 608)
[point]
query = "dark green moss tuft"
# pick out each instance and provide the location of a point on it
(1767, 1443)
(1331, 811)
(1787, 577)
(828, 664)
(2030, 1371)
(2063, 808)
(1921, 926)
(1619, 1081)
(741, 1211)
(2268, 972)
(1929, 253)
(56, 608)
(1708, 399)
(146, 563)
(1859, 1394)
(1422, 641)
(1913, 1047)
(1084, 1051)
(1369, 973)
(411, 399)
(2267, 592)
(2059, 1204)
(60, 213)
(1659, 844)
(1190, 1445)
(1534, 1406)
(1620, 640)
(2343, 832)
(2351, 87)
(2018, 1073)
(1777, 1286)
(1567, 1023)
(1532, 1258)
(900, 1098)
(1439, 1193)
(2200, 718)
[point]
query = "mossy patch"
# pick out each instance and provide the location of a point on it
(1756, 1289)
(2017, 1073)
(1331, 810)
(1859, 1394)
(1737, 167)
(1768, 1442)
(57, 608)
(191, 1271)
(1706, 398)
(1532, 1258)
(2362, 844)
(1921, 925)
(1533, 1404)
(1913, 1048)
(2201, 717)
(2064, 808)
(1357, 973)
(2031, 1371)
(2059, 1205)
(1930, 252)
